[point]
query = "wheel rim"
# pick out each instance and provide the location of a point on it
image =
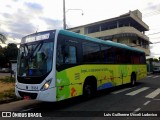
(88, 90)
(133, 81)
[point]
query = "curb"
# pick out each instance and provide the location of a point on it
(8, 100)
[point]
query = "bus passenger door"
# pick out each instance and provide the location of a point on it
(68, 69)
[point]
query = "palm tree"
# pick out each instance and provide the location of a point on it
(2, 38)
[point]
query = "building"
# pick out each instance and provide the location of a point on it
(128, 29)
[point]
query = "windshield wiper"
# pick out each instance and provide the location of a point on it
(32, 52)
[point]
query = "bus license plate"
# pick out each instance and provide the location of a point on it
(27, 97)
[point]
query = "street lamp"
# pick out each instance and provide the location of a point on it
(64, 14)
(75, 9)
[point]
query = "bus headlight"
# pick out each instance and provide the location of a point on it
(46, 85)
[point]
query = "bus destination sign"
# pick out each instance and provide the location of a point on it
(36, 38)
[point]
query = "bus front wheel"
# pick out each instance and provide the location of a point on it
(88, 91)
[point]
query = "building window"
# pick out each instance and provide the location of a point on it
(77, 31)
(92, 29)
(133, 41)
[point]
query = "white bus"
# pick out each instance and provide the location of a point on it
(57, 64)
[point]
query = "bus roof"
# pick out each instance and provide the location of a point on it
(84, 37)
(107, 42)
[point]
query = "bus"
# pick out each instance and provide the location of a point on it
(56, 65)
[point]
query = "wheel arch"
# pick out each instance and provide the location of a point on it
(133, 79)
(90, 80)
(133, 74)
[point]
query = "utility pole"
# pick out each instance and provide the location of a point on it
(64, 15)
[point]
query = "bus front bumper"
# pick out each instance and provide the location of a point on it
(48, 95)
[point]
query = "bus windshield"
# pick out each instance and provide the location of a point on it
(35, 59)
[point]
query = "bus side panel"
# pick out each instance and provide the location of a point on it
(70, 81)
(104, 75)
(125, 73)
(141, 71)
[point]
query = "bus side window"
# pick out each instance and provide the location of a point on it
(66, 55)
(142, 58)
(107, 54)
(59, 55)
(91, 52)
(69, 55)
(72, 55)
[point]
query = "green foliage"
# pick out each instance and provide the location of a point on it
(8, 96)
(8, 80)
(2, 57)
(150, 59)
(155, 60)
(8, 53)
(9, 93)
(11, 51)
(2, 38)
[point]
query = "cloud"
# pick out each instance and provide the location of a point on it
(13, 35)
(34, 7)
(6, 15)
(8, 6)
(15, 0)
(154, 6)
(22, 27)
(51, 23)
(154, 51)
(19, 22)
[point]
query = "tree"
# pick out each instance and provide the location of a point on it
(2, 57)
(150, 60)
(11, 51)
(155, 60)
(8, 53)
(2, 38)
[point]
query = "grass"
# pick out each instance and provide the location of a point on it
(7, 90)
(8, 79)
(7, 95)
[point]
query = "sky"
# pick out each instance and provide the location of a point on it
(22, 17)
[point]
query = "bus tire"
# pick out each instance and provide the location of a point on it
(133, 80)
(89, 89)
